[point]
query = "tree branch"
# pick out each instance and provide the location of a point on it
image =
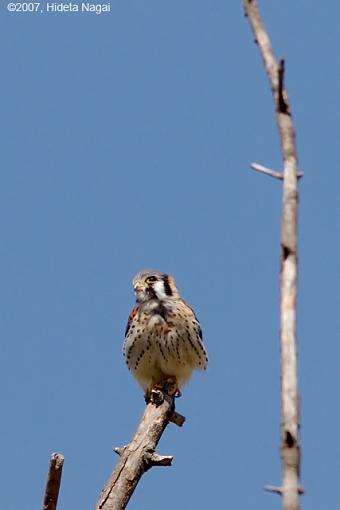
(267, 171)
(290, 444)
(53, 481)
(139, 455)
(272, 173)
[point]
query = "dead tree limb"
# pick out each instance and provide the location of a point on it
(139, 455)
(290, 444)
(53, 481)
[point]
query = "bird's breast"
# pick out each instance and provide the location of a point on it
(158, 308)
(156, 321)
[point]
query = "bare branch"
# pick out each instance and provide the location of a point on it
(290, 444)
(153, 459)
(53, 481)
(278, 490)
(139, 455)
(274, 489)
(119, 450)
(267, 171)
(177, 419)
(272, 173)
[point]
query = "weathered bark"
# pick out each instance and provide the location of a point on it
(290, 444)
(139, 455)
(53, 482)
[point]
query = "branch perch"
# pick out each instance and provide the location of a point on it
(53, 481)
(290, 443)
(139, 455)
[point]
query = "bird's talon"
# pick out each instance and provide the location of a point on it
(170, 387)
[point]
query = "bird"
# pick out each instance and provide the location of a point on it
(163, 339)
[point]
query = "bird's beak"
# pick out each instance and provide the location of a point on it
(138, 286)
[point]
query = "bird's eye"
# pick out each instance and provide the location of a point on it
(151, 279)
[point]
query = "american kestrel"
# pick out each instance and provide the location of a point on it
(163, 338)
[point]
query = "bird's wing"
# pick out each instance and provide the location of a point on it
(132, 315)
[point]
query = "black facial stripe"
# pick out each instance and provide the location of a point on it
(151, 292)
(167, 287)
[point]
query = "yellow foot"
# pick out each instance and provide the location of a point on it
(170, 386)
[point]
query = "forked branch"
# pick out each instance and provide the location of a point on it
(290, 444)
(139, 455)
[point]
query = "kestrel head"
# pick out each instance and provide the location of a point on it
(151, 284)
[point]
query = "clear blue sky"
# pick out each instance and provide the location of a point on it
(125, 143)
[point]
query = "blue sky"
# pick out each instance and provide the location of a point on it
(125, 143)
